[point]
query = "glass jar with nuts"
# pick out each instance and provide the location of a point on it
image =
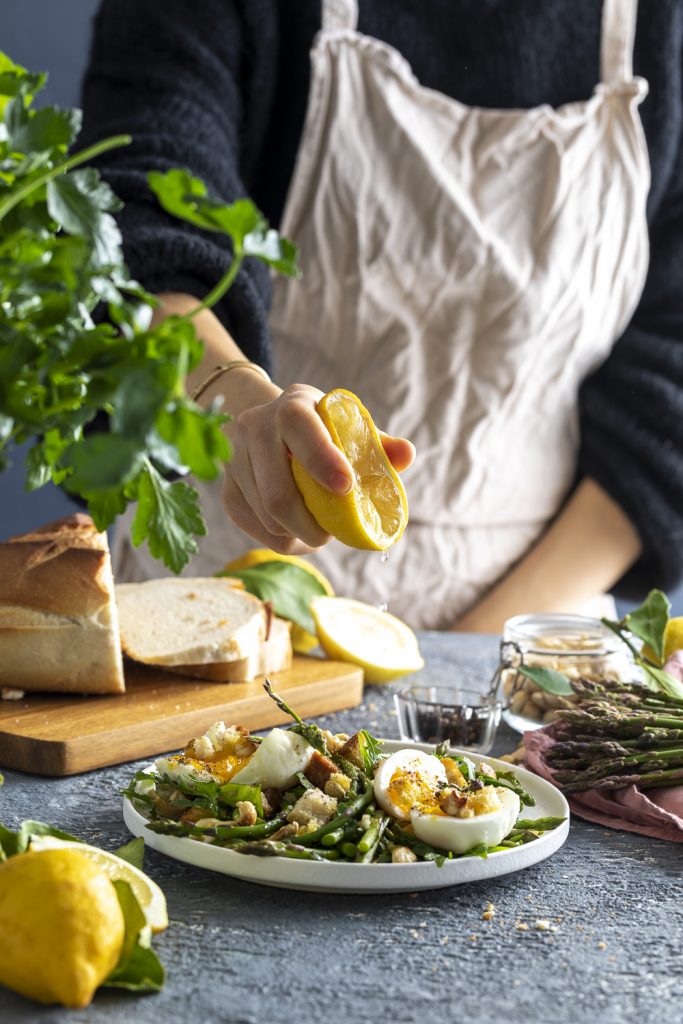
(575, 645)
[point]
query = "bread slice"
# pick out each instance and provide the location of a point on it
(58, 621)
(193, 621)
(271, 655)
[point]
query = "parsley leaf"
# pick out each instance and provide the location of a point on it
(60, 257)
(167, 517)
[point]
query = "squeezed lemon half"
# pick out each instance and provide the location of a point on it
(374, 513)
(383, 646)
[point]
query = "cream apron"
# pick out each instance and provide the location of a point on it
(464, 270)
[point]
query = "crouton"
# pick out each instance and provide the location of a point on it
(353, 750)
(313, 808)
(320, 769)
(337, 785)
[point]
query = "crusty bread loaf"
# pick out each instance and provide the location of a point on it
(58, 621)
(193, 621)
(271, 655)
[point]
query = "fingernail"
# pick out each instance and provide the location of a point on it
(339, 482)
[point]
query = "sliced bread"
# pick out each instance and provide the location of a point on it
(58, 621)
(271, 655)
(193, 621)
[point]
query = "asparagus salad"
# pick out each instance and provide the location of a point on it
(308, 794)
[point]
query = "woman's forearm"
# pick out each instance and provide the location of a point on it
(588, 547)
(241, 388)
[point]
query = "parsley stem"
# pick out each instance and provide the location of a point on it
(80, 158)
(219, 290)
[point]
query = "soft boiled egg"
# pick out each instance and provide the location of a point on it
(182, 769)
(277, 760)
(409, 780)
(461, 834)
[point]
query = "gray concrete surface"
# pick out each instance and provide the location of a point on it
(237, 953)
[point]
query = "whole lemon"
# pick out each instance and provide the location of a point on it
(61, 926)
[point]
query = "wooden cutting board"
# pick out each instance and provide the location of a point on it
(60, 734)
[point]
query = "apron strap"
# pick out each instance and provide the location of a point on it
(339, 15)
(618, 33)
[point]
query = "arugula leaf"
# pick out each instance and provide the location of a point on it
(230, 793)
(547, 679)
(649, 621)
(167, 516)
(289, 588)
(371, 751)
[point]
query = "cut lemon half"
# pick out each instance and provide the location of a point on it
(302, 640)
(381, 644)
(374, 513)
(147, 893)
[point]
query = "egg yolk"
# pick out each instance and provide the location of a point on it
(222, 766)
(410, 791)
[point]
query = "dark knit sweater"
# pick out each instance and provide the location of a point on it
(220, 87)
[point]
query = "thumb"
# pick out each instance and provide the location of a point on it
(400, 451)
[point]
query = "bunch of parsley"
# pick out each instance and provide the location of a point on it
(60, 257)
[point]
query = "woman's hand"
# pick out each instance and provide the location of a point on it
(268, 426)
(259, 492)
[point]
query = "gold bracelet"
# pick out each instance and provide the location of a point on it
(234, 364)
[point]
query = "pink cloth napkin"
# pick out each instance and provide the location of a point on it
(657, 812)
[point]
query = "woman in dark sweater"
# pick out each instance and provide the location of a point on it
(474, 244)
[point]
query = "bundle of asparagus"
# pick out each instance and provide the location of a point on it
(619, 734)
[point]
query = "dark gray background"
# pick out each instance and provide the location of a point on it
(53, 36)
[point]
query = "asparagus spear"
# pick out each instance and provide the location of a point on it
(619, 734)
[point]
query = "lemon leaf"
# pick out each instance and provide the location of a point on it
(547, 679)
(139, 968)
(649, 621)
(13, 843)
(289, 589)
(133, 852)
(662, 680)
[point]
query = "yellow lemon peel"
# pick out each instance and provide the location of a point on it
(374, 513)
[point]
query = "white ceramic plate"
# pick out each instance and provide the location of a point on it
(335, 877)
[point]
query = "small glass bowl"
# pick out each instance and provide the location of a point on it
(465, 719)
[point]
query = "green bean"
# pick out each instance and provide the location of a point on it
(349, 849)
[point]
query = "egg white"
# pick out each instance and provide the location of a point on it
(461, 834)
(406, 780)
(177, 770)
(276, 761)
